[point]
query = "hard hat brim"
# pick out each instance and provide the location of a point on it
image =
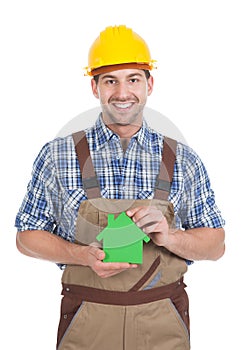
(111, 68)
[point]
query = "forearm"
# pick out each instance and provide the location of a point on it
(194, 244)
(197, 244)
(47, 246)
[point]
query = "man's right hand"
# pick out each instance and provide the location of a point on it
(104, 269)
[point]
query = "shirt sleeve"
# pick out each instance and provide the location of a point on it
(37, 209)
(198, 208)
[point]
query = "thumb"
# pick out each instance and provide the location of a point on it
(99, 254)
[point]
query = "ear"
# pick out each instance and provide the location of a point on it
(150, 83)
(94, 88)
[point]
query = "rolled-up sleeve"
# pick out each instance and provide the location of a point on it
(197, 206)
(37, 209)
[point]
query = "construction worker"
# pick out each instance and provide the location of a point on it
(83, 182)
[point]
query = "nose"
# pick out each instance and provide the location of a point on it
(122, 91)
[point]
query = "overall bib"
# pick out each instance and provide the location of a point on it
(139, 309)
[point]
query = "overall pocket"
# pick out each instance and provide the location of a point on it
(180, 304)
(69, 307)
(94, 326)
(155, 326)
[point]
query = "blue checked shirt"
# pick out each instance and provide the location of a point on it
(55, 191)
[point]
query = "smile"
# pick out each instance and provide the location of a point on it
(123, 105)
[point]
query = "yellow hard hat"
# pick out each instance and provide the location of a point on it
(118, 47)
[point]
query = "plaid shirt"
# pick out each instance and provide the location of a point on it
(55, 191)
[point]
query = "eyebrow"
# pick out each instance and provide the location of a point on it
(110, 76)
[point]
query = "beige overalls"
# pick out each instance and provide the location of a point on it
(139, 309)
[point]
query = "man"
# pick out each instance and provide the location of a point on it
(120, 165)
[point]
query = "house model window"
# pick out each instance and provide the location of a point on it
(122, 240)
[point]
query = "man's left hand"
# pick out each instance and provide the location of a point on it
(152, 222)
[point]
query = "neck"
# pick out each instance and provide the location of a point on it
(124, 143)
(124, 131)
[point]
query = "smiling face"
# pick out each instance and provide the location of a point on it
(123, 95)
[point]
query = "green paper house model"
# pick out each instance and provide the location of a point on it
(122, 240)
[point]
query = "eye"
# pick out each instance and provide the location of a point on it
(134, 80)
(110, 81)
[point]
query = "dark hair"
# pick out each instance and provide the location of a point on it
(147, 74)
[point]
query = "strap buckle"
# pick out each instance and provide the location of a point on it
(90, 182)
(163, 185)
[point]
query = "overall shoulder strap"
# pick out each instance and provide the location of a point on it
(164, 178)
(89, 178)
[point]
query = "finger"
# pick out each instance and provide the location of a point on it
(133, 211)
(114, 266)
(109, 274)
(112, 272)
(151, 228)
(111, 269)
(137, 213)
(148, 218)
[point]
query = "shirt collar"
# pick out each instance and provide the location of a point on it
(104, 134)
(144, 137)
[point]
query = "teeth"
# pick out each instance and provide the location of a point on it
(123, 105)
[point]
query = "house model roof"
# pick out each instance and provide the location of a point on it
(120, 232)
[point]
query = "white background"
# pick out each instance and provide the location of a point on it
(44, 46)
